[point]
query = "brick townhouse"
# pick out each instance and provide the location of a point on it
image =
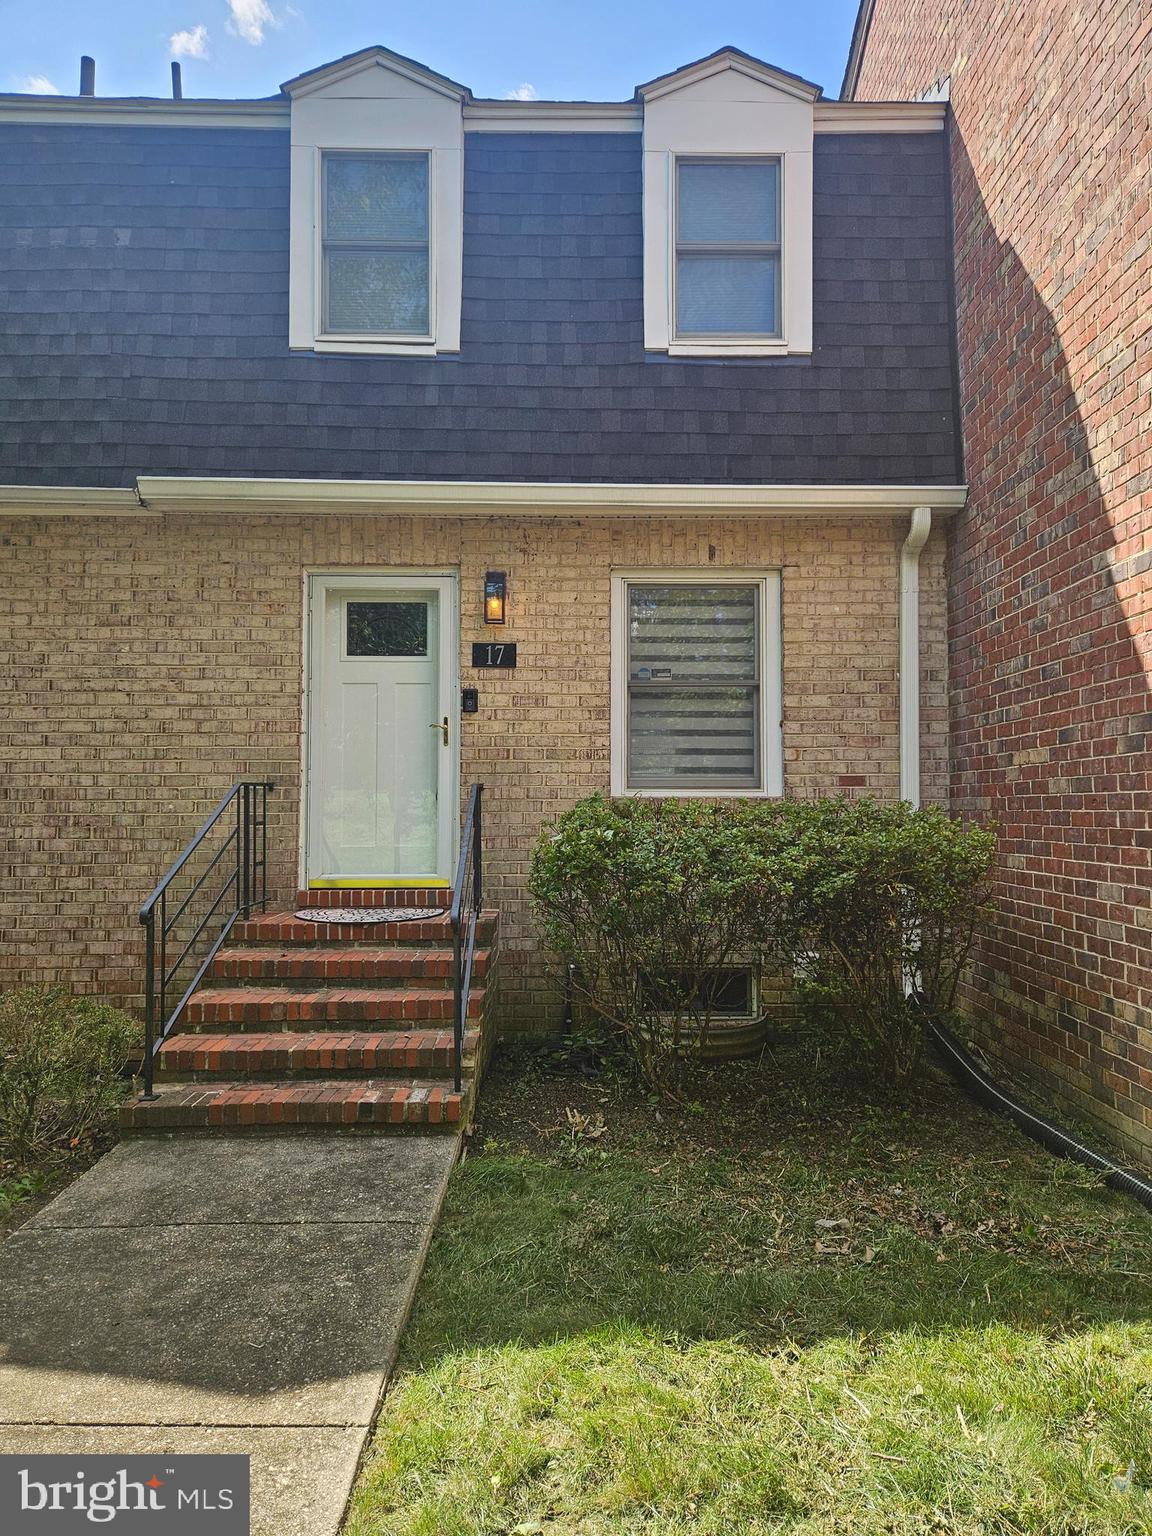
(1049, 564)
(378, 441)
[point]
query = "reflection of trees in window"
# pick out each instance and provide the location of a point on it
(387, 629)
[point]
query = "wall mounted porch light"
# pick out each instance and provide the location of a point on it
(495, 597)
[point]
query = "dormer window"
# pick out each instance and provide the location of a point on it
(376, 274)
(728, 210)
(727, 269)
(377, 232)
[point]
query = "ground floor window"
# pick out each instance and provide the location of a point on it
(696, 675)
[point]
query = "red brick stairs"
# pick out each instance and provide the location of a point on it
(318, 1026)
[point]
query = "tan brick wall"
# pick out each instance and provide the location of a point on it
(1051, 598)
(148, 664)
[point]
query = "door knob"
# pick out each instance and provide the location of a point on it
(441, 725)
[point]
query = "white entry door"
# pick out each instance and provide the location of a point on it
(382, 731)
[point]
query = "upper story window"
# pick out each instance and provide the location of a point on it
(727, 266)
(377, 214)
(375, 241)
(728, 210)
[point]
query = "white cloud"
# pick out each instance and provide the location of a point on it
(39, 85)
(523, 92)
(191, 43)
(248, 18)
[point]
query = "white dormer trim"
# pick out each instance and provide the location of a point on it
(376, 101)
(728, 106)
(739, 63)
(326, 76)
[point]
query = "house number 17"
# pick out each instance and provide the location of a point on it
(494, 654)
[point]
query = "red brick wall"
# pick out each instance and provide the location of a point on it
(1051, 567)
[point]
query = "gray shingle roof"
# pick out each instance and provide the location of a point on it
(145, 276)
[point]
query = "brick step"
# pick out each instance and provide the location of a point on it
(339, 963)
(379, 896)
(268, 1007)
(275, 1053)
(350, 1104)
(282, 928)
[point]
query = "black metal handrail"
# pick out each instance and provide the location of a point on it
(467, 900)
(245, 882)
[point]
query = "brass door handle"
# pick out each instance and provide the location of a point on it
(441, 725)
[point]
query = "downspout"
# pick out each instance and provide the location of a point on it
(918, 531)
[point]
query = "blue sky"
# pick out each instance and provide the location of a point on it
(590, 49)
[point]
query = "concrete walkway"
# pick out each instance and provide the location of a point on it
(233, 1294)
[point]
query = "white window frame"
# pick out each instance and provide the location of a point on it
(741, 339)
(376, 103)
(399, 338)
(771, 742)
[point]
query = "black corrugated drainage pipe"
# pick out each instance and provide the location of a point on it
(977, 1082)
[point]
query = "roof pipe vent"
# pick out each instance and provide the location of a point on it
(87, 76)
(177, 85)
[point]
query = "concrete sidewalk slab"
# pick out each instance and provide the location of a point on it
(300, 1477)
(253, 1289)
(238, 1179)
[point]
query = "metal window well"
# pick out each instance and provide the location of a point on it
(368, 914)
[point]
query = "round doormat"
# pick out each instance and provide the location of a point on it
(368, 914)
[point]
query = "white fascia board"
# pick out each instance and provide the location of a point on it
(553, 117)
(128, 112)
(164, 493)
(479, 117)
(880, 116)
(70, 501)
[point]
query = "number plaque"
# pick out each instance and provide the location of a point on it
(493, 653)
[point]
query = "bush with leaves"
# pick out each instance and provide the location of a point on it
(884, 900)
(638, 895)
(863, 901)
(61, 1065)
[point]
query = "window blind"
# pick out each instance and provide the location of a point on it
(693, 685)
(376, 275)
(728, 247)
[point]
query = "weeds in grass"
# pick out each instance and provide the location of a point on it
(804, 1312)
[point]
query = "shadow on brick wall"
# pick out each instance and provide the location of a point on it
(1051, 710)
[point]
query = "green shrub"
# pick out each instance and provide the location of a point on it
(864, 902)
(61, 1060)
(883, 900)
(640, 894)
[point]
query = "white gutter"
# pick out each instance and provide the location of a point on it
(189, 493)
(918, 531)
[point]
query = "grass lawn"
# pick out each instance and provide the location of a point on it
(791, 1310)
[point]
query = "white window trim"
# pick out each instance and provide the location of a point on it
(376, 124)
(771, 682)
(795, 258)
(738, 341)
(388, 342)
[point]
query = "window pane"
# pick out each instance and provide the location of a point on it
(726, 992)
(687, 633)
(378, 291)
(693, 738)
(728, 295)
(387, 629)
(728, 203)
(376, 197)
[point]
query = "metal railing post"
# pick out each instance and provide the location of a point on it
(477, 854)
(264, 788)
(163, 1016)
(149, 999)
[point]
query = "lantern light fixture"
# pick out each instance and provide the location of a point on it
(496, 597)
